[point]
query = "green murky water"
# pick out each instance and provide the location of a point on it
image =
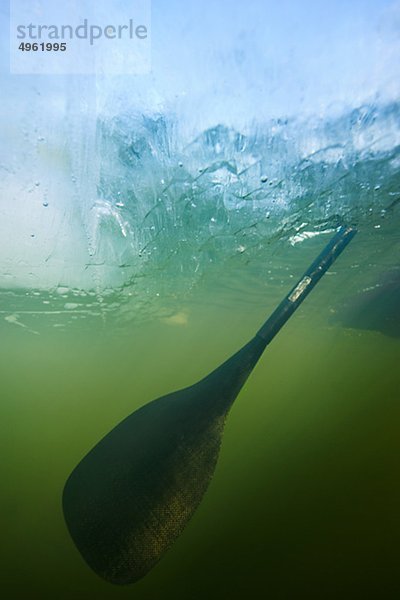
(304, 501)
(148, 226)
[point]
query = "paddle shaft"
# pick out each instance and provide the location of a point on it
(305, 284)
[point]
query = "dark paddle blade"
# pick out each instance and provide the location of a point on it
(134, 492)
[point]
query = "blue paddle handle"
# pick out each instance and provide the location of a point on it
(306, 283)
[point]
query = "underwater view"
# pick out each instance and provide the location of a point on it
(149, 225)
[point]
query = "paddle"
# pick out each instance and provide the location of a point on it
(134, 492)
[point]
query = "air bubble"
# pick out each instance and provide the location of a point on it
(61, 290)
(70, 305)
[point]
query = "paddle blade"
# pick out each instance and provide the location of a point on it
(134, 492)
